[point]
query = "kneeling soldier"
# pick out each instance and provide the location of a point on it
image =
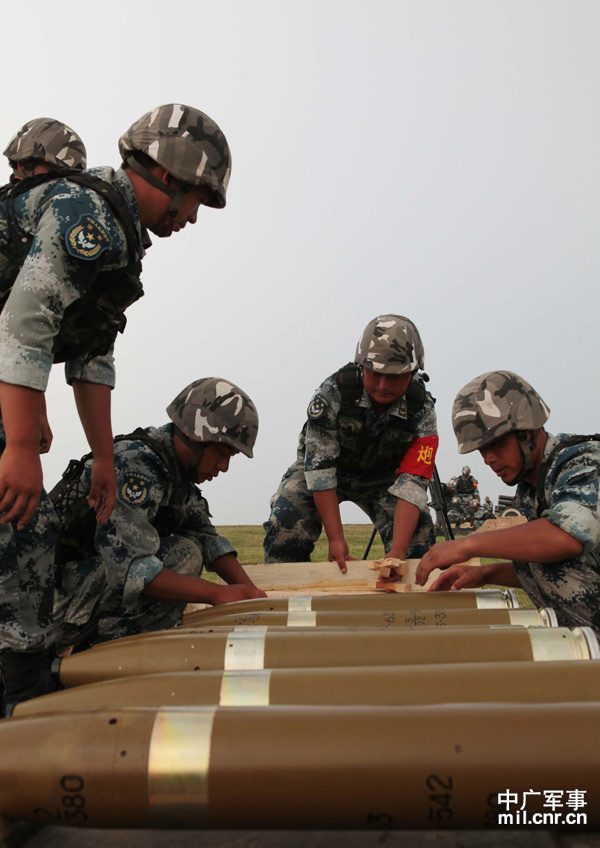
(138, 571)
(370, 438)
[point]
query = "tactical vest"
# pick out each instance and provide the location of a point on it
(78, 519)
(360, 453)
(465, 486)
(90, 324)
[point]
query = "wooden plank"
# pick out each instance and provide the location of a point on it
(324, 578)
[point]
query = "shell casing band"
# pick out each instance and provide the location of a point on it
(178, 765)
(245, 650)
(245, 688)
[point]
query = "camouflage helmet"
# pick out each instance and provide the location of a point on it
(186, 143)
(492, 405)
(215, 410)
(390, 344)
(466, 469)
(47, 140)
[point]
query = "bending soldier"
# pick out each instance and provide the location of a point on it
(138, 571)
(555, 556)
(70, 252)
(370, 438)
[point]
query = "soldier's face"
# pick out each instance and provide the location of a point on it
(384, 389)
(166, 224)
(214, 460)
(503, 457)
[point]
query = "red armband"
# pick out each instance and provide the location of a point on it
(420, 457)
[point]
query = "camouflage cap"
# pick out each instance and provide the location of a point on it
(48, 141)
(492, 405)
(187, 143)
(390, 344)
(215, 410)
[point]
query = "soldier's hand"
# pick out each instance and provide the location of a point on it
(20, 485)
(459, 577)
(103, 489)
(236, 592)
(441, 555)
(338, 552)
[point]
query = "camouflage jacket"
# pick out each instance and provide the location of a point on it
(319, 445)
(466, 485)
(73, 236)
(571, 495)
(129, 542)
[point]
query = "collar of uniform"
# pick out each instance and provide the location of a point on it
(398, 408)
(120, 179)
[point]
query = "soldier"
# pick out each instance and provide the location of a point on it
(138, 571)
(44, 145)
(70, 251)
(40, 146)
(555, 556)
(455, 514)
(370, 438)
(481, 512)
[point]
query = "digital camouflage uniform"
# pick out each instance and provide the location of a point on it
(100, 598)
(571, 502)
(294, 524)
(482, 514)
(71, 235)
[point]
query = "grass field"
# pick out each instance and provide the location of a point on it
(247, 540)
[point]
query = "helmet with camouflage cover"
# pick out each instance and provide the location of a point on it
(215, 410)
(493, 404)
(390, 344)
(47, 140)
(186, 143)
(466, 470)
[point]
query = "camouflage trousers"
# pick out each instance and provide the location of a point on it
(27, 579)
(294, 524)
(88, 609)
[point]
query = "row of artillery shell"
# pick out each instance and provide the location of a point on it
(300, 767)
(484, 599)
(257, 648)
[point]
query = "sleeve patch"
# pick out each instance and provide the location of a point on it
(420, 457)
(317, 407)
(135, 489)
(87, 239)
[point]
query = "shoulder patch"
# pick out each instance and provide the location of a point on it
(317, 407)
(134, 489)
(87, 239)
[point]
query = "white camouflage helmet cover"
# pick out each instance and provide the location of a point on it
(215, 410)
(390, 344)
(493, 404)
(50, 141)
(187, 143)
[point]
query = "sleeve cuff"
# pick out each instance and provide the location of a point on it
(320, 481)
(215, 548)
(141, 571)
(412, 489)
(24, 366)
(576, 520)
(100, 369)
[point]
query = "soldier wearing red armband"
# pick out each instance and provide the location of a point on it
(370, 438)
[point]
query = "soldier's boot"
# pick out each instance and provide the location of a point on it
(26, 675)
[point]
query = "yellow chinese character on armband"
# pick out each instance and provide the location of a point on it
(425, 455)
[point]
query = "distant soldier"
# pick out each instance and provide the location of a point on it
(138, 571)
(456, 515)
(370, 438)
(481, 512)
(555, 556)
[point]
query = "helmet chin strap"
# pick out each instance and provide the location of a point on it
(526, 446)
(176, 194)
(197, 449)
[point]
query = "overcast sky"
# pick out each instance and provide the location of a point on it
(433, 158)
